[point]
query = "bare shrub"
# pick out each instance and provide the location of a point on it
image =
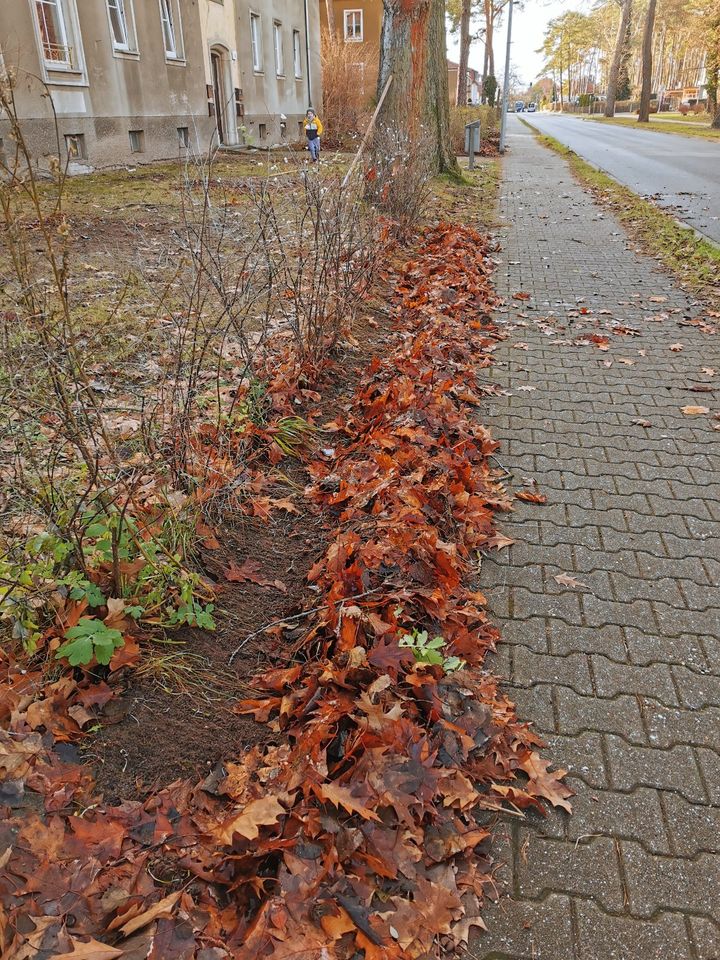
(324, 248)
(348, 90)
(105, 471)
(489, 127)
(398, 179)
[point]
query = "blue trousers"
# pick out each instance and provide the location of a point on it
(314, 148)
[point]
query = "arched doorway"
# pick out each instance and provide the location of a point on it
(223, 95)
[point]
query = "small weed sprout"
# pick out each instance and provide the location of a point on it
(430, 651)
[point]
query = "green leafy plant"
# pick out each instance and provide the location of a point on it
(90, 639)
(430, 651)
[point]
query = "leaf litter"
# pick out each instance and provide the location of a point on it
(362, 829)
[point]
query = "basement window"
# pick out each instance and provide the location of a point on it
(75, 146)
(184, 136)
(137, 141)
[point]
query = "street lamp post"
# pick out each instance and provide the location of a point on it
(506, 89)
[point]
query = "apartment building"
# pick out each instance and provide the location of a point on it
(359, 24)
(123, 81)
(262, 67)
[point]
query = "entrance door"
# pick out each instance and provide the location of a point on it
(218, 86)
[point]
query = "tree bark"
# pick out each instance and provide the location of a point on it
(713, 71)
(330, 11)
(489, 39)
(462, 82)
(646, 90)
(485, 66)
(412, 49)
(617, 58)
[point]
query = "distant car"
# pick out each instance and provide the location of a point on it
(532, 107)
(519, 106)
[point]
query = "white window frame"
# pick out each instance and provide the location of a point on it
(297, 54)
(52, 63)
(278, 47)
(352, 38)
(126, 16)
(171, 25)
(256, 44)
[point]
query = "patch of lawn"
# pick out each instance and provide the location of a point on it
(694, 261)
(690, 128)
(471, 199)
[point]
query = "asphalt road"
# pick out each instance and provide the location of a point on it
(679, 173)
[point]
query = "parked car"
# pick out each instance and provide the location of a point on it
(519, 106)
(532, 107)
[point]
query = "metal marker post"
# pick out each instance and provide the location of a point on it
(506, 90)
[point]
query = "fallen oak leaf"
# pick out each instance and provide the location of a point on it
(499, 541)
(521, 296)
(90, 950)
(528, 497)
(690, 411)
(565, 580)
(676, 347)
(546, 783)
(641, 422)
(161, 908)
(258, 813)
(526, 387)
(708, 371)
(341, 796)
(249, 571)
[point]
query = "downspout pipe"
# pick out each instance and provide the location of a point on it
(307, 51)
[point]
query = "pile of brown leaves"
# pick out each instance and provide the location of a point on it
(364, 831)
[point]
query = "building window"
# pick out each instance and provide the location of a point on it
(54, 35)
(122, 25)
(354, 25)
(297, 54)
(256, 42)
(184, 136)
(75, 146)
(262, 131)
(278, 44)
(172, 29)
(137, 141)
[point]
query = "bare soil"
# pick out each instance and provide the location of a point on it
(155, 734)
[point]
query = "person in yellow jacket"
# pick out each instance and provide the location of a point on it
(313, 130)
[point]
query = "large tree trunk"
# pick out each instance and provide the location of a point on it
(617, 58)
(713, 71)
(462, 83)
(412, 49)
(330, 11)
(489, 39)
(646, 90)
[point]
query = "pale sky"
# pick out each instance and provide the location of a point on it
(529, 22)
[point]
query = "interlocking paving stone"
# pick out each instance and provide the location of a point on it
(669, 883)
(526, 930)
(675, 769)
(706, 937)
(587, 868)
(603, 937)
(613, 814)
(622, 674)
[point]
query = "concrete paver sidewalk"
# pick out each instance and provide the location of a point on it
(622, 673)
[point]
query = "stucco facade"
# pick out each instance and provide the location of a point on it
(131, 81)
(262, 67)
